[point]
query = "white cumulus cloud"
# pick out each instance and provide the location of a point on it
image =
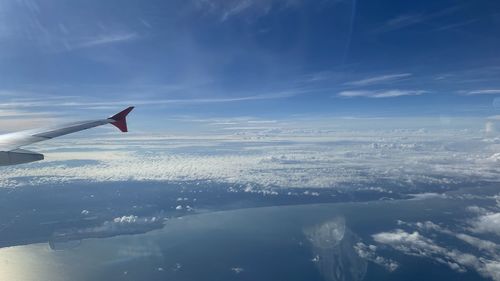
(488, 223)
(415, 243)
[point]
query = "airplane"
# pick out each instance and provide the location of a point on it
(12, 154)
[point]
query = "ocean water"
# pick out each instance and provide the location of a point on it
(300, 242)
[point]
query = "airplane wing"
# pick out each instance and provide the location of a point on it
(12, 154)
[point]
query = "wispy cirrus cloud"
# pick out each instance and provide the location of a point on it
(239, 7)
(32, 110)
(103, 39)
(380, 94)
(22, 114)
(402, 21)
(69, 101)
(406, 20)
(25, 23)
(483, 92)
(14, 120)
(247, 8)
(456, 25)
(379, 79)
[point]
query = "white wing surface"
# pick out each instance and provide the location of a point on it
(12, 154)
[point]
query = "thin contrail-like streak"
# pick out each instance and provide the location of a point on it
(351, 27)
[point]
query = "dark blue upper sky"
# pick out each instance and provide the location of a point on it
(264, 58)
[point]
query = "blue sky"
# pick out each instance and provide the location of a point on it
(370, 95)
(265, 59)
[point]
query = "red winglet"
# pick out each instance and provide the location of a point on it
(120, 120)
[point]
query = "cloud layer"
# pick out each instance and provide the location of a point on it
(460, 247)
(274, 157)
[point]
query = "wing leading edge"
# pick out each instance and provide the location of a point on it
(11, 154)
